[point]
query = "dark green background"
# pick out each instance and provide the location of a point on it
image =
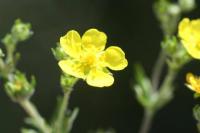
(129, 24)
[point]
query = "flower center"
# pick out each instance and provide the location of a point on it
(88, 60)
(18, 86)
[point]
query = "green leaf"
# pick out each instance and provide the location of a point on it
(56, 111)
(144, 90)
(31, 122)
(71, 119)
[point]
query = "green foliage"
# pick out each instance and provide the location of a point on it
(144, 90)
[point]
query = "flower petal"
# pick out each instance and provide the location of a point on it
(72, 67)
(193, 82)
(71, 43)
(191, 49)
(183, 27)
(94, 40)
(99, 78)
(114, 58)
(189, 32)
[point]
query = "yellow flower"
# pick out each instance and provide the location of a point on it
(88, 59)
(189, 32)
(193, 82)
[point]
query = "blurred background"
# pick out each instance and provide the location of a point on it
(129, 24)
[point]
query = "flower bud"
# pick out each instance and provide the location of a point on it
(21, 31)
(169, 45)
(67, 82)
(18, 87)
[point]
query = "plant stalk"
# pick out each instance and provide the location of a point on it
(62, 111)
(31, 110)
(146, 122)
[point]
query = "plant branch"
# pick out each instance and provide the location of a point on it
(34, 114)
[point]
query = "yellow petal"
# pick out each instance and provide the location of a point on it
(194, 51)
(189, 32)
(193, 82)
(94, 40)
(99, 78)
(72, 68)
(183, 27)
(114, 58)
(71, 43)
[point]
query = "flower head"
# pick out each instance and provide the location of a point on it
(193, 82)
(18, 87)
(88, 59)
(189, 32)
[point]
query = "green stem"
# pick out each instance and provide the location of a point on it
(10, 49)
(166, 89)
(33, 113)
(62, 111)
(169, 79)
(146, 122)
(157, 70)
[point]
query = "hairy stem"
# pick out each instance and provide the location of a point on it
(33, 113)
